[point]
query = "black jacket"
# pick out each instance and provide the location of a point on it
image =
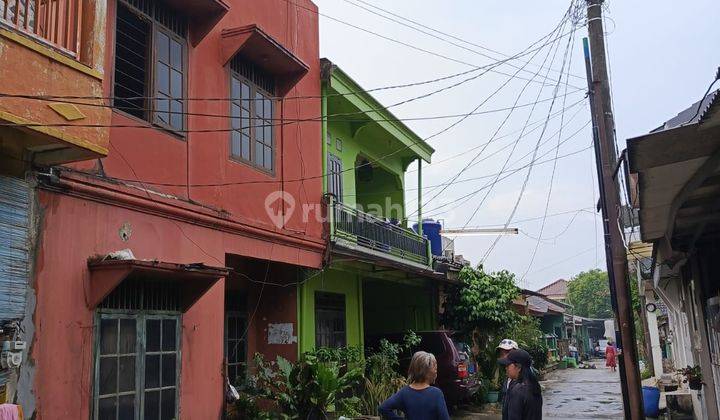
(521, 404)
(504, 389)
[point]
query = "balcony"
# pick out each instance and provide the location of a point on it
(374, 237)
(51, 52)
(56, 22)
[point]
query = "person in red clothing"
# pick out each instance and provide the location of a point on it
(611, 356)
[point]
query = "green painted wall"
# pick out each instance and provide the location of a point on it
(393, 307)
(387, 179)
(382, 196)
(550, 323)
(333, 281)
(582, 336)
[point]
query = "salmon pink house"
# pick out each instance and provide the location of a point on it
(167, 240)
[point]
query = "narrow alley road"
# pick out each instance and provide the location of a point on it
(582, 394)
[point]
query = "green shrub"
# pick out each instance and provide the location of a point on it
(381, 377)
(539, 353)
(307, 389)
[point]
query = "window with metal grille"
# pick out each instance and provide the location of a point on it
(144, 294)
(252, 114)
(150, 49)
(235, 345)
(334, 176)
(330, 328)
(137, 356)
(137, 367)
(235, 336)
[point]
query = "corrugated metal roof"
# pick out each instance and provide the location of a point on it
(541, 305)
(683, 117)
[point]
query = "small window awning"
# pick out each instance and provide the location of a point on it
(255, 45)
(193, 279)
(203, 15)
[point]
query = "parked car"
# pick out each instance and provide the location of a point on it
(456, 370)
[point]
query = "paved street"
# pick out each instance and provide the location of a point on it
(582, 394)
(574, 394)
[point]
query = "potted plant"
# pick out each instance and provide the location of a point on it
(693, 377)
(493, 393)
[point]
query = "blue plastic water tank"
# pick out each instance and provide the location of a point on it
(651, 401)
(431, 230)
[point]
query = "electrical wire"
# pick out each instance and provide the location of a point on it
(347, 169)
(532, 219)
(491, 185)
(529, 172)
(321, 176)
(510, 172)
(429, 33)
(301, 97)
(554, 237)
(468, 197)
(556, 263)
(552, 174)
(593, 171)
(697, 111)
(511, 144)
(502, 124)
(284, 122)
(391, 39)
(444, 33)
(537, 123)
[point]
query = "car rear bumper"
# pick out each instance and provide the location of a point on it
(459, 389)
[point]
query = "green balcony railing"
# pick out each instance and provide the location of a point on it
(377, 234)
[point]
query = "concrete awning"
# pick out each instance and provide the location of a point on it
(255, 45)
(193, 279)
(202, 15)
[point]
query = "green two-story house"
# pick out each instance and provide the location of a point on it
(379, 277)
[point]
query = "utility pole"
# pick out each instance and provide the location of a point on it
(606, 158)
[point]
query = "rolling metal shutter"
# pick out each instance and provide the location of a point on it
(14, 246)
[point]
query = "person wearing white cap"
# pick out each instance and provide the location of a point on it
(504, 348)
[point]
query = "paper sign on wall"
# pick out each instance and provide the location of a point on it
(281, 333)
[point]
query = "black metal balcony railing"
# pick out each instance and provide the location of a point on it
(376, 234)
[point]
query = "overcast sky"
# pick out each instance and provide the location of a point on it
(662, 56)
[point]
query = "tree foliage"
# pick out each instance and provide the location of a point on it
(481, 300)
(479, 310)
(589, 293)
(527, 333)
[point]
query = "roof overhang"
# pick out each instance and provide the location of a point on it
(203, 15)
(678, 181)
(193, 279)
(344, 88)
(256, 46)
